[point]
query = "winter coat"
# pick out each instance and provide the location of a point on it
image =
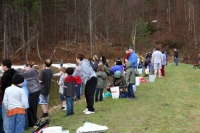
(6, 81)
(32, 79)
(133, 60)
(119, 82)
(95, 65)
(113, 69)
(101, 78)
(69, 86)
(130, 73)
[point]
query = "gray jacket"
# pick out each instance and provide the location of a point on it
(32, 79)
(85, 71)
(101, 79)
(130, 73)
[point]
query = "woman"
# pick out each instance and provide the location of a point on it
(33, 87)
(103, 60)
(96, 62)
(89, 78)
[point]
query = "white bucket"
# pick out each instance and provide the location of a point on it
(55, 129)
(139, 71)
(134, 87)
(115, 92)
(146, 71)
(137, 81)
(151, 78)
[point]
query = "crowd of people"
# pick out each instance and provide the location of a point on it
(19, 94)
(18, 107)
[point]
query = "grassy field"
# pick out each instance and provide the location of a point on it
(169, 105)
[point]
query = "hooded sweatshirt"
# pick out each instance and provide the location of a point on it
(6, 81)
(32, 79)
(130, 73)
(85, 71)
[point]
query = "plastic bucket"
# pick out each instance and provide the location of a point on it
(137, 81)
(134, 87)
(151, 78)
(55, 129)
(146, 71)
(139, 71)
(115, 92)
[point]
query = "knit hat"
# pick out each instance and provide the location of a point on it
(96, 57)
(17, 79)
(117, 74)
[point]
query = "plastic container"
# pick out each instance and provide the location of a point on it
(151, 78)
(137, 81)
(134, 88)
(115, 92)
(55, 129)
(139, 71)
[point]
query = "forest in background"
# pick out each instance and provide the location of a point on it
(40, 29)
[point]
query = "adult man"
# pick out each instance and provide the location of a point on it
(6, 81)
(45, 80)
(133, 58)
(157, 62)
(176, 57)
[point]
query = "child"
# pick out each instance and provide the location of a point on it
(69, 91)
(101, 78)
(61, 84)
(130, 79)
(45, 81)
(61, 63)
(78, 87)
(15, 100)
(118, 80)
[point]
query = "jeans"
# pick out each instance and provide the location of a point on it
(176, 61)
(5, 118)
(26, 120)
(78, 91)
(1, 120)
(99, 90)
(70, 105)
(81, 89)
(130, 91)
(16, 123)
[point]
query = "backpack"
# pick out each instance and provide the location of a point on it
(123, 94)
(117, 74)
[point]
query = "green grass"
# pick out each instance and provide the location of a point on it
(169, 105)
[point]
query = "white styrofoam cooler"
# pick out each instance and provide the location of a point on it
(55, 129)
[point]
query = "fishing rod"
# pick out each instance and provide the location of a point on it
(57, 46)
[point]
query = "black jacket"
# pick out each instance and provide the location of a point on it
(176, 54)
(6, 81)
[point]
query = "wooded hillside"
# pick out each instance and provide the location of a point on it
(33, 29)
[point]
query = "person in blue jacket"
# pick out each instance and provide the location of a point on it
(133, 58)
(114, 68)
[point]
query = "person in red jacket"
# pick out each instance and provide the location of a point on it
(78, 87)
(126, 57)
